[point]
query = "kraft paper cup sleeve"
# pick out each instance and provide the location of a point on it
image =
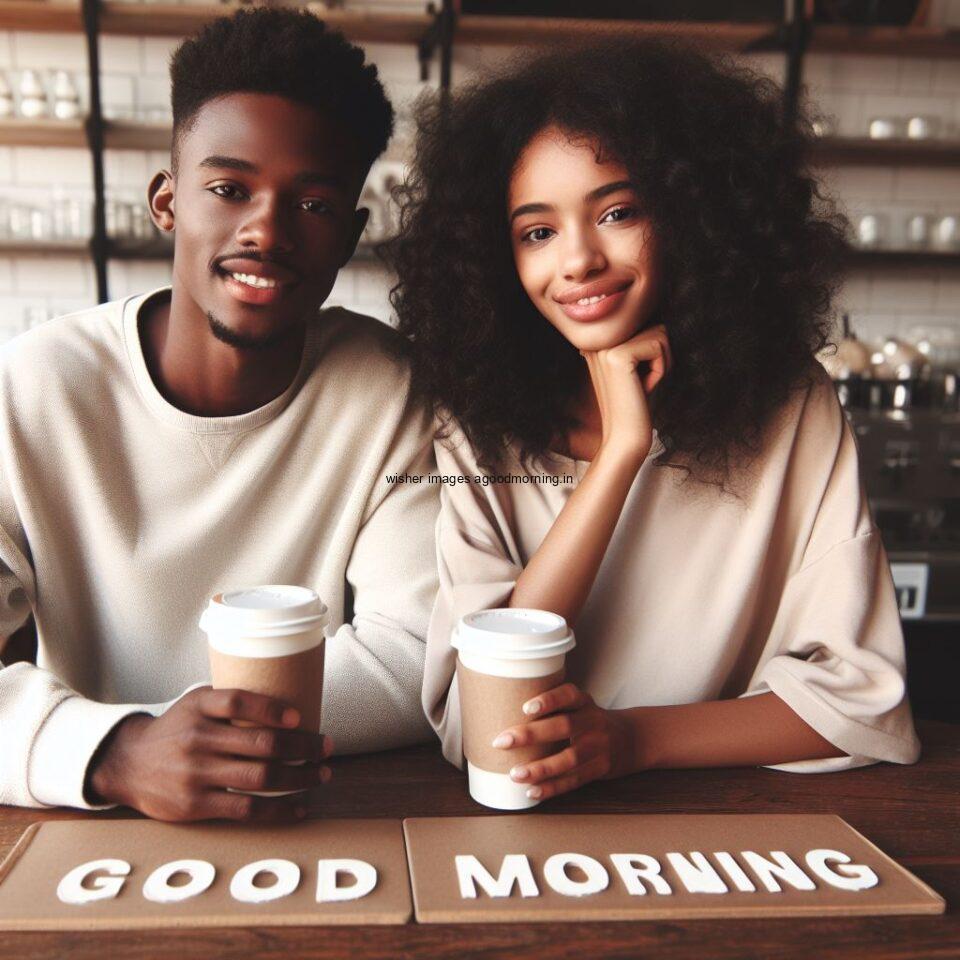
(490, 704)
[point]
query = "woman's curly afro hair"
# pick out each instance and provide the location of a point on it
(751, 252)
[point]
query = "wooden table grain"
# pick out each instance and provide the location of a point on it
(912, 813)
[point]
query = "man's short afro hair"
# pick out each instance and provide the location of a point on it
(285, 52)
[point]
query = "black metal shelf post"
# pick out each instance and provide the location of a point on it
(99, 244)
(797, 38)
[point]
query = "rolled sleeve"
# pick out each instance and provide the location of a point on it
(836, 657)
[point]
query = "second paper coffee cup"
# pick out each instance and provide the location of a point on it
(505, 657)
(269, 640)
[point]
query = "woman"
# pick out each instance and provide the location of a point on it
(615, 273)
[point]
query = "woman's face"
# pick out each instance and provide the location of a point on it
(585, 254)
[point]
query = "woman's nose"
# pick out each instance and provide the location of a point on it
(581, 255)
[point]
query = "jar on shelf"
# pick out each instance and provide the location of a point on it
(918, 230)
(871, 231)
(6, 97)
(33, 96)
(66, 99)
(946, 232)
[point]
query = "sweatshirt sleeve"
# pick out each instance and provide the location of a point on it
(478, 570)
(835, 653)
(48, 732)
(374, 664)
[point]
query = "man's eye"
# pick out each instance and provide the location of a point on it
(536, 235)
(226, 190)
(315, 206)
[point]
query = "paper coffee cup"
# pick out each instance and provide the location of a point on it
(269, 640)
(505, 657)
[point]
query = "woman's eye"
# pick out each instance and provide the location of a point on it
(226, 190)
(618, 214)
(536, 235)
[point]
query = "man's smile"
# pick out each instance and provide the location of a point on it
(256, 282)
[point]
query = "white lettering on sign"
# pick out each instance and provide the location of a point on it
(364, 880)
(781, 866)
(555, 873)
(857, 876)
(732, 869)
(71, 889)
(634, 867)
(697, 873)
(157, 886)
(286, 879)
(515, 869)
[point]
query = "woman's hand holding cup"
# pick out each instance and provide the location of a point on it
(622, 378)
(601, 742)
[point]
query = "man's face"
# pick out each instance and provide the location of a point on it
(264, 209)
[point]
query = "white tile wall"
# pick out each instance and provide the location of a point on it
(850, 88)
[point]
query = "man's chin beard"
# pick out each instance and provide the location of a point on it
(241, 341)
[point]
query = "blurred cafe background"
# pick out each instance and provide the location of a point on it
(85, 121)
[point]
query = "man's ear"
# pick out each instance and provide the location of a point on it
(360, 218)
(160, 200)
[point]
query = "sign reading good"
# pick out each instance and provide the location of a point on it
(138, 873)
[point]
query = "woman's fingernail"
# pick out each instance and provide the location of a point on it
(532, 706)
(504, 740)
(534, 793)
(327, 745)
(326, 774)
(290, 718)
(519, 773)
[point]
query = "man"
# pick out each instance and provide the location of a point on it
(217, 434)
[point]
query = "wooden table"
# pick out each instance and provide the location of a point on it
(912, 813)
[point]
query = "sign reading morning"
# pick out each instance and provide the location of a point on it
(539, 868)
(137, 873)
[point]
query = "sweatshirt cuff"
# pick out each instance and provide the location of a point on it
(65, 745)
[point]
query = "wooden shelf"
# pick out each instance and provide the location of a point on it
(867, 152)
(129, 135)
(20, 132)
(905, 258)
(731, 37)
(154, 249)
(59, 16)
(176, 19)
(118, 135)
(180, 19)
(939, 43)
(31, 248)
(158, 249)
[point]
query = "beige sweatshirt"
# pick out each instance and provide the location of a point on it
(120, 515)
(702, 596)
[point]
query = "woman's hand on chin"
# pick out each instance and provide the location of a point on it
(622, 378)
(601, 742)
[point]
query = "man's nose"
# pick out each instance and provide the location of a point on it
(266, 226)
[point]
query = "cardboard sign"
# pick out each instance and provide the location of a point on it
(545, 868)
(123, 874)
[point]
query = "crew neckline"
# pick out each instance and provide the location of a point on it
(176, 417)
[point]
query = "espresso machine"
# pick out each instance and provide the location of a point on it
(905, 415)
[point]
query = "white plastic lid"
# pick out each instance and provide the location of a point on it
(271, 611)
(513, 634)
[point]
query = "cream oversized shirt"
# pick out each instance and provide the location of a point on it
(702, 596)
(121, 515)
